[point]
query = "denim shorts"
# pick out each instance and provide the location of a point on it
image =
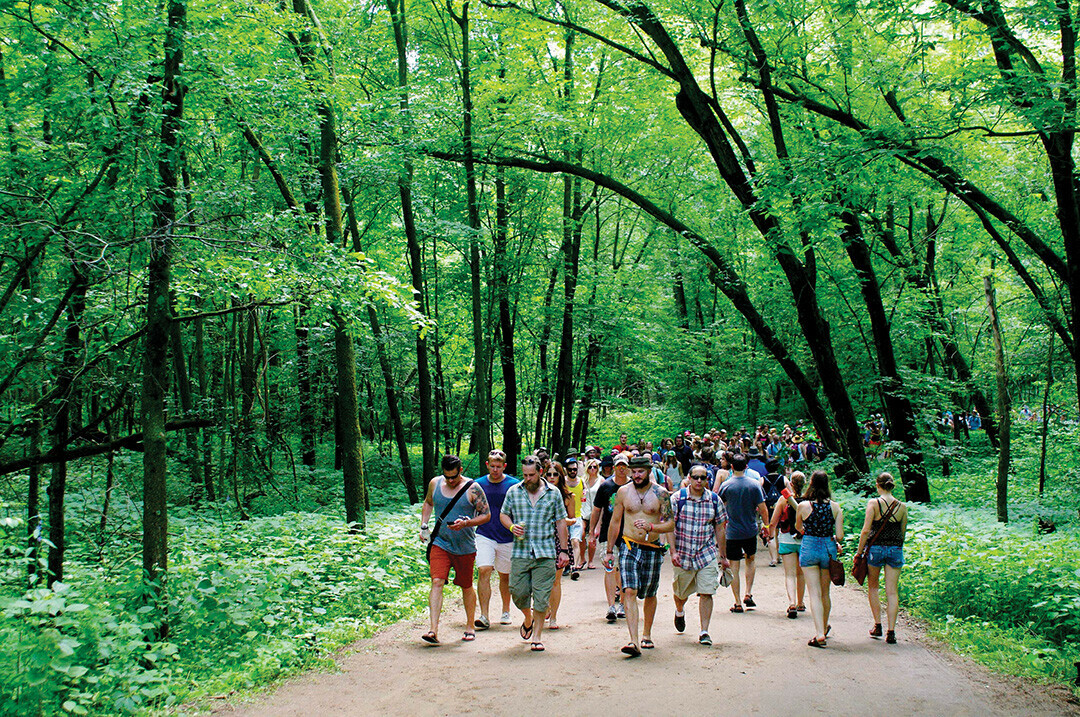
(891, 555)
(816, 552)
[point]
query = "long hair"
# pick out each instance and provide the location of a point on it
(798, 483)
(819, 487)
(559, 479)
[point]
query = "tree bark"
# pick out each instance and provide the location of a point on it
(187, 406)
(158, 318)
(1004, 404)
(901, 414)
(545, 377)
(416, 266)
(511, 432)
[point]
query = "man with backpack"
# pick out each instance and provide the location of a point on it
(744, 500)
(773, 484)
(700, 548)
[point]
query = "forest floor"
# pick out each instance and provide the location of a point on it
(759, 664)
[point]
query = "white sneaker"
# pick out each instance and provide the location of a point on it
(505, 619)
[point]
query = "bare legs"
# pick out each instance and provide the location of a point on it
(556, 598)
(793, 577)
(736, 566)
(468, 596)
(820, 601)
(484, 590)
(705, 608)
(892, 593)
(435, 603)
(611, 584)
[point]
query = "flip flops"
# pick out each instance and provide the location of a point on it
(468, 636)
(526, 631)
(647, 644)
(736, 608)
(430, 638)
(816, 643)
(631, 650)
(537, 647)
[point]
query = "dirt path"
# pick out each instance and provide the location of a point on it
(759, 664)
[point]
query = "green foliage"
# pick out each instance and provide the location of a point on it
(248, 602)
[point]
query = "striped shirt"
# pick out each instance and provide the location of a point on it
(695, 527)
(539, 519)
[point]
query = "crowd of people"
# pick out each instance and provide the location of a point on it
(705, 503)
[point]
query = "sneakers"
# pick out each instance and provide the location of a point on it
(680, 622)
(612, 614)
(505, 619)
(890, 637)
(620, 610)
(482, 623)
(704, 639)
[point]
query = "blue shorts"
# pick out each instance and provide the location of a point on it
(789, 548)
(891, 555)
(816, 552)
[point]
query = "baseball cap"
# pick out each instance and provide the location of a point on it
(606, 462)
(621, 459)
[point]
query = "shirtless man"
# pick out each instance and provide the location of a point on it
(644, 510)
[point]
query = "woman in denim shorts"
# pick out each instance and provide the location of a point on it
(887, 551)
(821, 521)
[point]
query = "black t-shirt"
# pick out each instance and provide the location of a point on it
(604, 501)
(685, 456)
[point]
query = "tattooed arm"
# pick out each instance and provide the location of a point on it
(667, 516)
(480, 505)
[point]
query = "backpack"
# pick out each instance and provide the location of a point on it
(684, 495)
(773, 484)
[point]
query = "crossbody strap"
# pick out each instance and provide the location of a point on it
(884, 522)
(449, 507)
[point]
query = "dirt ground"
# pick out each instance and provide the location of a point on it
(759, 664)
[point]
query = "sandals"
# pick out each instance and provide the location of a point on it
(748, 601)
(631, 650)
(876, 632)
(801, 608)
(553, 626)
(537, 647)
(792, 612)
(816, 643)
(736, 608)
(526, 631)
(430, 638)
(469, 636)
(647, 644)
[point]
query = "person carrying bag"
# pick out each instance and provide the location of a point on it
(858, 566)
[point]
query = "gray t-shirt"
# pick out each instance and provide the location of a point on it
(741, 496)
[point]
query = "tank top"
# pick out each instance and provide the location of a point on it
(786, 533)
(455, 542)
(820, 522)
(890, 535)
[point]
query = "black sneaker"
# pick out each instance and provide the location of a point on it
(611, 614)
(680, 622)
(704, 639)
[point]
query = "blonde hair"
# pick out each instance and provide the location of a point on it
(592, 463)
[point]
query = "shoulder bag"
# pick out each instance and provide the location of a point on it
(446, 512)
(859, 566)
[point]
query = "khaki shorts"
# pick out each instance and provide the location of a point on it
(531, 580)
(703, 582)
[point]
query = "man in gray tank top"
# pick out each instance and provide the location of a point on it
(453, 542)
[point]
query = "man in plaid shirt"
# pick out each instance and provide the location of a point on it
(535, 513)
(700, 548)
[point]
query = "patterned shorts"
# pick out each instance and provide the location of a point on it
(639, 567)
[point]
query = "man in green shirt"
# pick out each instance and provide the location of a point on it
(534, 512)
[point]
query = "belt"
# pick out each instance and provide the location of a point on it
(630, 543)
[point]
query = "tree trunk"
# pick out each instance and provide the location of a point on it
(205, 447)
(511, 432)
(158, 318)
(481, 431)
(187, 406)
(305, 397)
(1046, 413)
(392, 406)
(348, 411)
(416, 266)
(902, 422)
(1004, 404)
(545, 378)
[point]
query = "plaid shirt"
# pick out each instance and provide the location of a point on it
(695, 528)
(539, 519)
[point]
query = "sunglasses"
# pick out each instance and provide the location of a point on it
(699, 477)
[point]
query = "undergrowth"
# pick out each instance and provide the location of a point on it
(249, 603)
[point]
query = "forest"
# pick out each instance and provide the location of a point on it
(262, 264)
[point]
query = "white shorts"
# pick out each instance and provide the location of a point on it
(575, 531)
(489, 553)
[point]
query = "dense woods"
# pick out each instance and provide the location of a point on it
(245, 244)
